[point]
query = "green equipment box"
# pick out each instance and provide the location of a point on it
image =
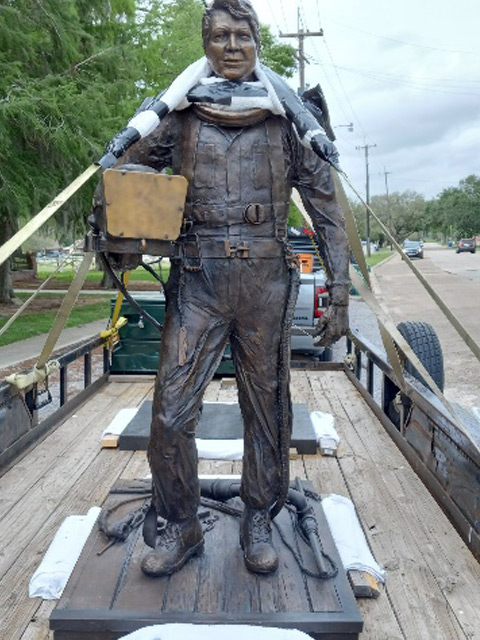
(139, 347)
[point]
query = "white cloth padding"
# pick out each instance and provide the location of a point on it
(50, 578)
(349, 538)
(145, 122)
(214, 632)
(174, 96)
(120, 421)
(219, 449)
(324, 426)
(219, 476)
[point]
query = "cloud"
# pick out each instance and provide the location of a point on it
(406, 74)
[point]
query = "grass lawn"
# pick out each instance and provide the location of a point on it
(378, 256)
(35, 323)
(66, 276)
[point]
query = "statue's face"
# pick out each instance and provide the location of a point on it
(231, 48)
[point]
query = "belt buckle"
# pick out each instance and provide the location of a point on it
(241, 250)
(191, 261)
(255, 213)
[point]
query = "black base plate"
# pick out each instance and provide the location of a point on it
(219, 421)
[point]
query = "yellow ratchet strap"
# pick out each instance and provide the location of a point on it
(111, 335)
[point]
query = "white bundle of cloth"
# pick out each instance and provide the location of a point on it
(120, 421)
(214, 632)
(349, 538)
(219, 449)
(49, 580)
(325, 432)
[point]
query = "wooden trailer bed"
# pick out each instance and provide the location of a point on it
(432, 589)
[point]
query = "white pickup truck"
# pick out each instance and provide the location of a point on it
(312, 298)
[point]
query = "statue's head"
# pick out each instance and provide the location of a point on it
(231, 38)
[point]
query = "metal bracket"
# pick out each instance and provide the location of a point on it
(240, 250)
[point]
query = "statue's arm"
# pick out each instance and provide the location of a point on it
(155, 150)
(314, 181)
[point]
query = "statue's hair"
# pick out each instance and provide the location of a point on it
(238, 9)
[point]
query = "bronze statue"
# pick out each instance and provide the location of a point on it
(234, 278)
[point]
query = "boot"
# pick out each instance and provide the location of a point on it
(176, 543)
(256, 541)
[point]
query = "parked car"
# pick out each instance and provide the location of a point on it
(373, 246)
(312, 298)
(466, 244)
(413, 249)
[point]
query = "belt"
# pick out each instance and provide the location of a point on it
(222, 215)
(193, 249)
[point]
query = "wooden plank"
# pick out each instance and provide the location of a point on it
(109, 441)
(441, 548)
(39, 626)
(419, 604)
(364, 584)
(327, 475)
(28, 514)
(41, 430)
(19, 479)
(92, 489)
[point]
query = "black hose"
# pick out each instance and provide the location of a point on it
(121, 287)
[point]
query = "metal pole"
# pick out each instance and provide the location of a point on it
(301, 53)
(301, 35)
(389, 215)
(366, 147)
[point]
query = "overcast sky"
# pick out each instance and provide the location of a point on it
(405, 73)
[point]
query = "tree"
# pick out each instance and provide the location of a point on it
(402, 213)
(66, 80)
(456, 211)
(71, 75)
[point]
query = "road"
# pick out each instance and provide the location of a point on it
(456, 278)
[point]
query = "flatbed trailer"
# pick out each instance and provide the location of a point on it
(57, 468)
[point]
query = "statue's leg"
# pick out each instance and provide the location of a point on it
(186, 367)
(264, 398)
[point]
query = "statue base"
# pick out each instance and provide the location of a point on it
(108, 596)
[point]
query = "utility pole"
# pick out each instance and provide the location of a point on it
(301, 35)
(366, 147)
(389, 216)
(386, 174)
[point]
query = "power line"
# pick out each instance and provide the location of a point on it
(343, 88)
(320, 62)
(421, 79)
(410, 44)
(284, 14)
(318, 13)
(390, 79)
(338, 76)
(274, 16)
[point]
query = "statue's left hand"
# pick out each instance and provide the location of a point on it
(332, 325)
(326, 150)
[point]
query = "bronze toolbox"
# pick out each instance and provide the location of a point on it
(142, 213)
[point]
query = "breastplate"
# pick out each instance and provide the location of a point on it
(236, 175)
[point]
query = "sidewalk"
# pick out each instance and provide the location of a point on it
(18, 352)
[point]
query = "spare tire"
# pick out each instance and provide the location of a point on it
(425, 343)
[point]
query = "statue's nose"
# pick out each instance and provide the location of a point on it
(233, 42)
